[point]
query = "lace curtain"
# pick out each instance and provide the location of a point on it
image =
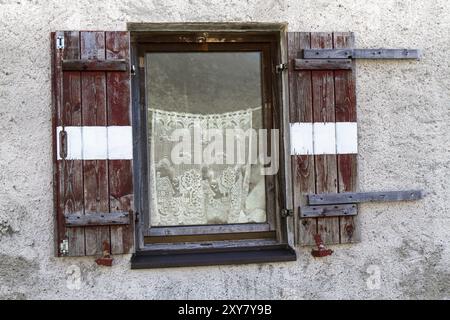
(196, 194)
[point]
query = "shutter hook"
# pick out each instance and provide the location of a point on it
(106, 259)
(321, 251)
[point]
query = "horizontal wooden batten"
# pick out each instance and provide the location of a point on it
(97, 219)
(323, 64)
(328, 211)
(209, 229)
(361, 54)
(358, 197)
(211, 237)
(94, 65)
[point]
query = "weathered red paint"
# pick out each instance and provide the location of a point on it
(321, 251)
(92, 98)
(345, 97)
(106, 259)
(119, 114)
(322, 96)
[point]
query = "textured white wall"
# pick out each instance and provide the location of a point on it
(404, 125)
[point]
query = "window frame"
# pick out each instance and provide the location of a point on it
(156, 37)
(268, 123)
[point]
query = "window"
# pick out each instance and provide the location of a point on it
(194, 169)
(208, 110)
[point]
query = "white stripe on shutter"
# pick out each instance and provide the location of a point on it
(324, 138)
(97, 142)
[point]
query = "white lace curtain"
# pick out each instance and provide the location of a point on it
(195, 194)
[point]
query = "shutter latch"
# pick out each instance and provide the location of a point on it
(281, 67)
(64, 247)
(60, 42)
(63, 144)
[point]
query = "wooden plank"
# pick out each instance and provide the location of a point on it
(97, 219)
(95, 65)
(287, 171)
(359, 197)
(57, 84)
(300, 110)
(140, 161)
(348, 53)
(324, 111)
(328, 211)
(71, 171)
(210, 229)
(227, 236)
(119, 114)
(323, 64)
(228, 244)
(345, 99)
(209, 26)
(93, 104)
(270, 118)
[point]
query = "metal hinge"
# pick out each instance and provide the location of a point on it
(133, 70)
(60, 42)
(286, 213)
(64, 247)
(281, 67)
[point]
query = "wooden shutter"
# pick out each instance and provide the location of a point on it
(92, 144)
(322, 114)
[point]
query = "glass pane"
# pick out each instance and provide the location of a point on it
(202, 108)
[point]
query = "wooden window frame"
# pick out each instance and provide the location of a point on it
(270, 39)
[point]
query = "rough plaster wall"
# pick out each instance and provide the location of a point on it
(404, 124)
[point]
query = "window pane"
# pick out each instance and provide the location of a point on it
(204, 111)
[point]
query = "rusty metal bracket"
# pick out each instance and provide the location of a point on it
(336, 210)
(361, 53)
(321, 251)
(359, 197)
(106, 259)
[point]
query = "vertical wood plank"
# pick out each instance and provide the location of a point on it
(93, 102)
(71, 171)
(300, 107)
(324, 111)
(119, 114)
(56, 72)
(345, 97)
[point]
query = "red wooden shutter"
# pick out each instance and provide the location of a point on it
(322, 102)
(92, 144)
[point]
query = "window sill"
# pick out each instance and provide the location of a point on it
(207, 257)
